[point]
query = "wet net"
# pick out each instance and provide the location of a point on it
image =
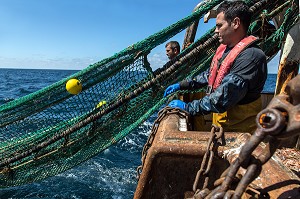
(51, 130)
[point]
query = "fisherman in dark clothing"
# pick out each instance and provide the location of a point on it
(172, 49)
(236, 76)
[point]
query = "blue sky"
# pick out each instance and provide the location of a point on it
(64, 34)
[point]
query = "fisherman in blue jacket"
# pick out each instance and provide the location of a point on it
(236, 76)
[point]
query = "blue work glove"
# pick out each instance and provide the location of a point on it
(177, 104)
(171, 89)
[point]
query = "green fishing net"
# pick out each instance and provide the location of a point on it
(51, 130)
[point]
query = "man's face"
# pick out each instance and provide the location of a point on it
(224, 29)
(171, 53)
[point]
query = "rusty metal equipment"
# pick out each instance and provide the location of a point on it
(233, 165)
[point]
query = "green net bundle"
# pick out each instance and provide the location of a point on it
(51, 130)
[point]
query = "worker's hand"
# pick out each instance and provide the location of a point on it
(177, 104)
(171, 89)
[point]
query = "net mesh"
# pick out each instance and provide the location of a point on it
(51, 130)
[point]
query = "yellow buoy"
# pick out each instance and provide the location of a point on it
(74, 86)
(101, 103)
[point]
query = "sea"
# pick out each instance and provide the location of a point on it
(109, 175)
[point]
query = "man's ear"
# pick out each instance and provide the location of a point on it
(176, 51)
(236, 22)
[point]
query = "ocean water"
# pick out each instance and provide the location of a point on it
(109, 175)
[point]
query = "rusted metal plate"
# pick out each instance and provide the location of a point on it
(175, 156)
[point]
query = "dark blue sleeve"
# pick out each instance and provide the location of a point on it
(228, 94)
(251, 65)
(196, 82)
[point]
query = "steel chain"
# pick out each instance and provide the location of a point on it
(280, 120)
(216, 134)
(252, 164)
(210, 150)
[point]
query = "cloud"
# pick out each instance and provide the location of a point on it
(157, 60)
(41, 62)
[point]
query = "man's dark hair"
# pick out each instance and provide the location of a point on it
(173, 45)
(232, 9)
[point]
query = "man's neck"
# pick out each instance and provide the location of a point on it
(237, 40)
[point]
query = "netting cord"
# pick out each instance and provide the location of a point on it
(278, 10)
(257, 5)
